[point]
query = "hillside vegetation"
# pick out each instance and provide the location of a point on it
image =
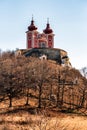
(42, 88)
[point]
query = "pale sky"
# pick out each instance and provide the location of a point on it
(67, 18)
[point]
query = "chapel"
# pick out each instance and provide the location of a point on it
(35, 39)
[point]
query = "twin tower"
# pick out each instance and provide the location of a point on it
(39, 40)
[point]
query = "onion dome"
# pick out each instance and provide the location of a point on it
(32, 26)
(48, 29)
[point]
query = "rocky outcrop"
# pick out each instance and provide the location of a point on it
(58, 55)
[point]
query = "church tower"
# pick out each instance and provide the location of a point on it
(49, 35)
(31, 35)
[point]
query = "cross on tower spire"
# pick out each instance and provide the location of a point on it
(32, 27)
(47, 20)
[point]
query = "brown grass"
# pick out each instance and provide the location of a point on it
(29, 118)
(21, 117)
(26, 121)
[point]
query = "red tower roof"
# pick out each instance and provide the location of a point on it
(32, 26)
(48, 29)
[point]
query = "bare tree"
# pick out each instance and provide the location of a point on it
(10, 79)
(41, 75)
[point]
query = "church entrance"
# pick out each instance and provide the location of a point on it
(42, 45)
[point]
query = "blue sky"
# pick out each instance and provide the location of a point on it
(68, 19)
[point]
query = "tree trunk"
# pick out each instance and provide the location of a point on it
(83, 98)
(10, 101)
(27, 97)
(62, 95)
(40, 93)
(58, 96)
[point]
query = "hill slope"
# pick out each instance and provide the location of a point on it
(39, 93)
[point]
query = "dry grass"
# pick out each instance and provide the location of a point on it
(21, 117)
(25, 121)
(25, 118)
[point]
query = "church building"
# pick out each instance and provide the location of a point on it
(36, 39)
